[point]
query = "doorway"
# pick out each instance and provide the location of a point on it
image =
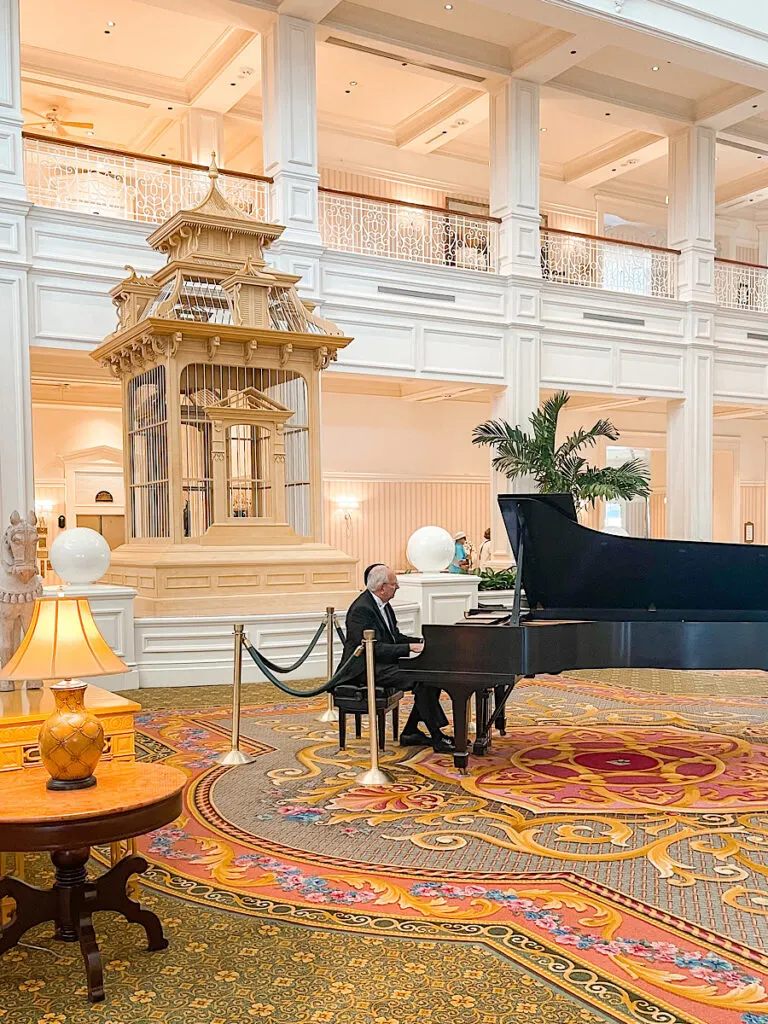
(112, 528)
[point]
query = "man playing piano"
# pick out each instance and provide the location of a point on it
(372, 610)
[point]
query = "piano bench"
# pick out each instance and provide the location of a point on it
(352, 699)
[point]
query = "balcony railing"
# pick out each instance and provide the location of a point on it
(352, 222)
(741, 285)
(592, 261)
(90, 179)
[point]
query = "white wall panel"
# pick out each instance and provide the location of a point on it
(655, 371)
(464, 353)
(379, 343)
(739, 378)
(70, 312)
(569, 364)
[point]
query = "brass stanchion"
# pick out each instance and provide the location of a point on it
(330, 714)
(236, 755)
(375, 776)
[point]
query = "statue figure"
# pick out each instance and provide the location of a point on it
(20, 586)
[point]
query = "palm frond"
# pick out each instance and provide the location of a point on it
(582, 437)
(627, 481)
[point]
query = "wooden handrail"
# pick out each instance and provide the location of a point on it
(614, 241)
(142, 156)
(413, 206)
(741, 263)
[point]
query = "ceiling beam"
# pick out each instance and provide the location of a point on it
(729, 106)
(613, 93)
(442, 121)
(752, 188)
(417, 38)
(309, 10)
(605, 163)
(443, 393)
(552, 52)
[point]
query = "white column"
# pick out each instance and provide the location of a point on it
(16, 479)
(290, 126)
(691, 216)
(514, 404)
(515, 176)
(762, 242)
(203, 134)
(689, 449)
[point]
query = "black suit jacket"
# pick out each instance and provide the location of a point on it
(389, 647)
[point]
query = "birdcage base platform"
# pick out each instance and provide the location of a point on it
(204, 579)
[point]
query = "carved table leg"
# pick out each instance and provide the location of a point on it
(33, 906)
(85, 903)
(110, 894)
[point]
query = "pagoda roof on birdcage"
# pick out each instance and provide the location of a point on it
(215, 211)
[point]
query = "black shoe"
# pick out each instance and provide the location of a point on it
(443, 744)
(414, 739)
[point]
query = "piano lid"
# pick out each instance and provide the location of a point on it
(572, 572)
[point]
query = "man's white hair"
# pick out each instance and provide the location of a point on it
(377, 577)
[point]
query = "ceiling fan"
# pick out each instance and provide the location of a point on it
(51, 120)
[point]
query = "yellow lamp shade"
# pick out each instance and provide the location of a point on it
(62, 642)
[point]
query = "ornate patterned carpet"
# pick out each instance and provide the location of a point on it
(606, 862)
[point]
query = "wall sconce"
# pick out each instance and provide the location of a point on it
(43, 508)
(347, 505)
(749, 533)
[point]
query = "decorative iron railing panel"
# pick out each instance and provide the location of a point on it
(400, 231)
(592, 262)
(741, 286)
(91, 180)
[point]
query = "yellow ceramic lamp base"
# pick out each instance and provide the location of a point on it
(71, 740)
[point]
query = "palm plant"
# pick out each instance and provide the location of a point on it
(562, 469)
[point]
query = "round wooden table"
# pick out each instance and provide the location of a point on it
(129, 799)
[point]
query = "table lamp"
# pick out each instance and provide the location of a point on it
(63, 642)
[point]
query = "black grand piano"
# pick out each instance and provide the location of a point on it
(598, 601)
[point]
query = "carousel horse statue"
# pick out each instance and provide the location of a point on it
(20, 586)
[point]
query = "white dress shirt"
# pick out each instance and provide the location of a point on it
(380, 606)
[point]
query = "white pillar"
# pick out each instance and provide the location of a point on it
(16, 479)
(689, 451)
(514, 404)
(762, 243)
(515, 176)
(691, 216)
(290, 127)
(203, 134)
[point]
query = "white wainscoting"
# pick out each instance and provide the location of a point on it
(199, 651)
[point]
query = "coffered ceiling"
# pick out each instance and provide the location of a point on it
(422, 71)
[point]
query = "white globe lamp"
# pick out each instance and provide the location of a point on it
(80, 556)
(430, 549)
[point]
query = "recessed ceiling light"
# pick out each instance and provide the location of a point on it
(162, 154)
(107, 32)
(111, 24)
(542, 129)
(461, 122)
(91, 133)
(613, 170)
(170, 108)
(573, 53)
(353, 82)
(448, 7)
(655, 67)
(754, 106)
(233, 83)
(347, 91)
(607, 113)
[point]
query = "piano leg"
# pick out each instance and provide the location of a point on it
(500, 694)
(482, 742)
(460, 704)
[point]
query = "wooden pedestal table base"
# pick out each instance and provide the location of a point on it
(130, 799)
